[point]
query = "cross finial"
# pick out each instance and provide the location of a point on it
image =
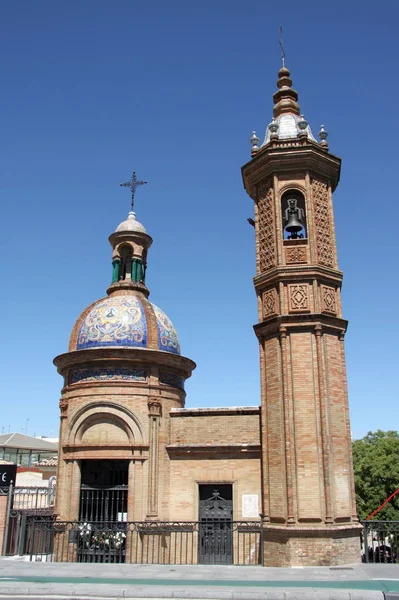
(133, 184)
(281, 42)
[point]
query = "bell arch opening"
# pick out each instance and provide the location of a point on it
(293, 212)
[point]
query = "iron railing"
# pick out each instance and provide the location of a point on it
(103, 504)
(20, 524)
(380, 541)
(25, 498)
(176, 543)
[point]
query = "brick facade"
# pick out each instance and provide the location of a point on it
(308, 494)
(290, 458)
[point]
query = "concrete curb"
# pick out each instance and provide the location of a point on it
(39, 593)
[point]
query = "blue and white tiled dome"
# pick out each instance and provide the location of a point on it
(124, 321)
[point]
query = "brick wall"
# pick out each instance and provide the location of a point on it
(187, 474)
(3, 513)
(215, 426)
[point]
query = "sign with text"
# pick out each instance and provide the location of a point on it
(250, 506)
(8, 474)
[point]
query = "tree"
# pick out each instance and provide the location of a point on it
(376, 468)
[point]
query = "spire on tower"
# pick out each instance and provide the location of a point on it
(281, 42)
(285, 99)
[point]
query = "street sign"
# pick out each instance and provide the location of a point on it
(8, 474)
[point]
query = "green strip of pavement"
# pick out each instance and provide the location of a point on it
(379, 585)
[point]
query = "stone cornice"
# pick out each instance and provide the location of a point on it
(137, 236)
(242, 450)
(118, 450)
(302, 322)
(298, 273)
(122, 286)
(214, 412)
(140, 356)
(274, 159)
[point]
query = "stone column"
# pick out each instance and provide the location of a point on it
(154, 409)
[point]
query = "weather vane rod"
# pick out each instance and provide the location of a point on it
(281, 42)
(133, 184)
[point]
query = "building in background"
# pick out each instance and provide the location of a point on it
(25, 450)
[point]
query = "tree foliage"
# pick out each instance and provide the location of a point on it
(376, 468)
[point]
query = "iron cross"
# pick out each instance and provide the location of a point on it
(133, 184)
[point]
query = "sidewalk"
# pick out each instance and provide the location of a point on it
(34, 580)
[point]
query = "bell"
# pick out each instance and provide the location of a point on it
(293, 225)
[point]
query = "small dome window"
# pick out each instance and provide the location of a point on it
(126, 254)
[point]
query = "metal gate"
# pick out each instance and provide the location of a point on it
(105, 504)
(216, 525)
(21, 524)
(102, 511)
(27, 505)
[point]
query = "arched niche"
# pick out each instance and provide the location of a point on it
(105, 423)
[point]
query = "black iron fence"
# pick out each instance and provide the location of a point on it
(103, 504)
(25, 505)
(380, 541)
(21, 524)
(177, 543)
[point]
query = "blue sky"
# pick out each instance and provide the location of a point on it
(92, 90)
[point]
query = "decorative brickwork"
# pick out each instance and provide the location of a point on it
(308, 498)
(299, 297)
(328, 300)
(270, 302)
(267, 237)
(323, 225)
(155, 408)
(295, 255)
(63, 406)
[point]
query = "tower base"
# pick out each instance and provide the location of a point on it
(311, 546)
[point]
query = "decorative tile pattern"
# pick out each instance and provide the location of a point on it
(295, 255)
(168, 340)
(328, 299)
(287, 128)
(267, 241)
(324, 234)
(171, 379)
(298, 295)
(270, 301)
(118, 321)
(88, 375)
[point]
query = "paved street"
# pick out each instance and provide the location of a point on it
(22, 579)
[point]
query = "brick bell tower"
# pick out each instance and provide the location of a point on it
(309, 509)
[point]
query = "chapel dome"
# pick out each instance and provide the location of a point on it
(131, 224)
(124, 321)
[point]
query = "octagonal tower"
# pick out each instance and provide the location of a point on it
(123, 373)
(309, 511)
